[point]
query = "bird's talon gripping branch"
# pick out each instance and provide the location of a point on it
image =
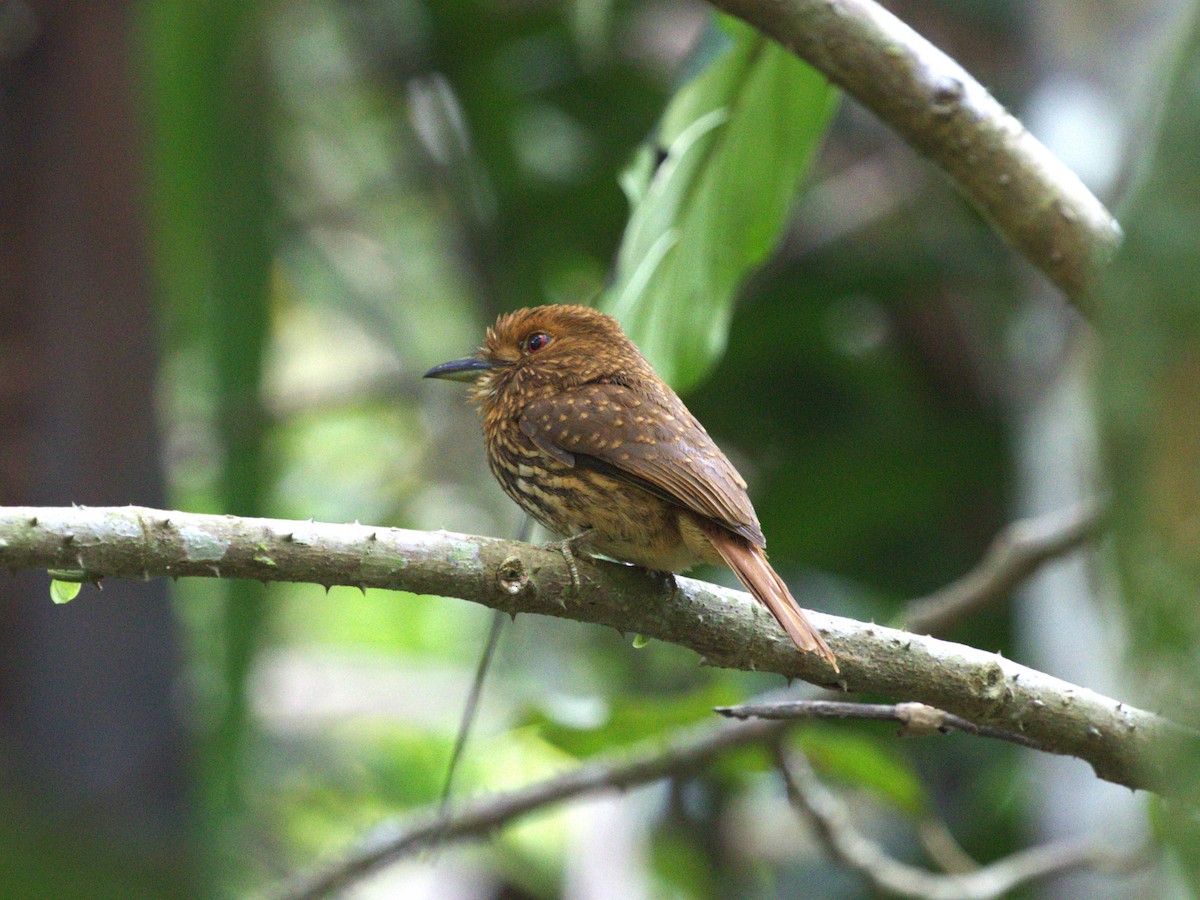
(569, 555)
(670, 585)
(569, 548)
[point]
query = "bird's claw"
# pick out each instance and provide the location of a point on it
(666, 579)
(568, 549)
(669, 582)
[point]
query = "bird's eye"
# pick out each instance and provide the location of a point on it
(539, 340)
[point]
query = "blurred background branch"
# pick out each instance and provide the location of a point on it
(386, 843)
(831, 820)
(1033, 200)
(685, 755)
(1012, 558)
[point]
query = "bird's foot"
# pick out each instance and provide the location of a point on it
(670, 585)
(568, 549)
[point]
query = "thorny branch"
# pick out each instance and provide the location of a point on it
(1032, 199)
(727, 628)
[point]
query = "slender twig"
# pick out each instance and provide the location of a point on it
(471, 705)
(391, 841)
(831, 821)
(1122, 743)
(1018, 552)
(915, 719)
(524, 533)
(1035, 202)
(942, 848)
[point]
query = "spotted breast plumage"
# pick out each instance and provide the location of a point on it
(586, 438)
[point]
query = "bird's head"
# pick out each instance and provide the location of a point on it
(532, 351)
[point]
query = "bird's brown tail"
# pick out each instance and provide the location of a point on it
(749, 563)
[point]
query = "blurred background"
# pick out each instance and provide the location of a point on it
(232, 237)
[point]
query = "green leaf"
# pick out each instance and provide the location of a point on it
(628, 719)
(868, 764)
(640, 641)
(64, 591)
(738, 140)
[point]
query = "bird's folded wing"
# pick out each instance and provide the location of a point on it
(652, 442)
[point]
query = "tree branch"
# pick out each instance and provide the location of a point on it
(914, 718)
(1036, 203)
(831, 821)
(1017, 553)
(1123, 744)
(391, 841)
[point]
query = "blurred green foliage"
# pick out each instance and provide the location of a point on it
(734, 144)
(211, 205)
(346, 193)
(1149, 385)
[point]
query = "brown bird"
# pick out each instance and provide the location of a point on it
(588, 440)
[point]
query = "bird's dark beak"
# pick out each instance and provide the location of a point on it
(460, 369)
